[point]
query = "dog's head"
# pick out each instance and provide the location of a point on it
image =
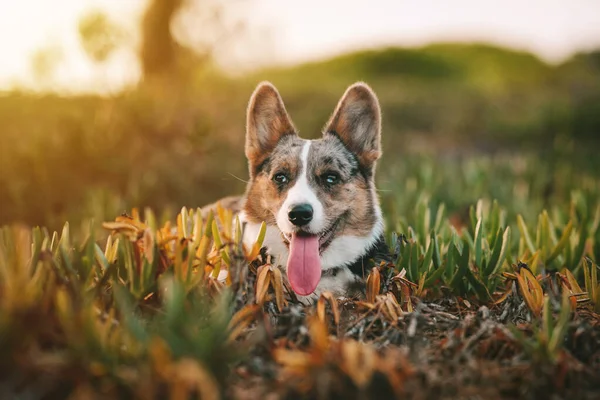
(317, 195)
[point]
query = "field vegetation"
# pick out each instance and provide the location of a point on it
(490, 185)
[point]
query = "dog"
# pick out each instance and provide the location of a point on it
(317, 197)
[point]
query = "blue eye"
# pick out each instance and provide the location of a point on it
(281, 178)
(331, 178)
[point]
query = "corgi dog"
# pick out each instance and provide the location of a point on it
(317, 197)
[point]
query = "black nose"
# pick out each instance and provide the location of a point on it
(300, 214)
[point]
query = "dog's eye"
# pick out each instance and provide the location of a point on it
(280, 178)
(331, 178)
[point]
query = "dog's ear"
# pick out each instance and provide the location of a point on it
(267, 121)
(357, 122)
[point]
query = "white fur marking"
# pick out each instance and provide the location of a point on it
(302, 193)
(345, 250)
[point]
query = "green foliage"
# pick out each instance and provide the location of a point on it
(141, 316)
(546, 343)
(146, 312)
(470, 259)
(592, 283)
(451, 113)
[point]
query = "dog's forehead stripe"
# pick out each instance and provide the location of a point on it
(300, 191)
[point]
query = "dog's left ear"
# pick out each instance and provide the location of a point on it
(267, 122)
(357, 122)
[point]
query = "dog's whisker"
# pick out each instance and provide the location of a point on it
(238, 178)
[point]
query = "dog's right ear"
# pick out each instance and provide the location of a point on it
(357, 122)
(267, 121)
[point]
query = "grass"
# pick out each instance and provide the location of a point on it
(490, 304)
(491, 194)
(129, 150)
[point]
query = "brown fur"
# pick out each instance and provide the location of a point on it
(350, 200)
(264, 197)
(357, 121)
(233, 203)
(350, 147)
(267, 121)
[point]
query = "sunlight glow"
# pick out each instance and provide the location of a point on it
(298, 31)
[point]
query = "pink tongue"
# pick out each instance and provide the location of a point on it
(304, 264)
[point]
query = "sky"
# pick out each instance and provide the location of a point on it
(294, 31)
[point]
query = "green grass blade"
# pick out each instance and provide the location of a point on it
(478, 244)
(564, 240)
(525, 234)
(499, 252)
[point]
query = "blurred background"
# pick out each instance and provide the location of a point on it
(110, 104)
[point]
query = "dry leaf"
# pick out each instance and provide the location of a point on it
(373, 285)
(323, 299)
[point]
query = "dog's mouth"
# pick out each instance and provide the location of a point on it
(325, 237)
(304, 260)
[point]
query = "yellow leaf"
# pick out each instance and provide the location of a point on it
(180, 225)
(421, 285)
(124, 227)
(160, 356)
(216, 270)
(391, 308)
(135, 214)
(132, 221)
(202, 252)
(241, 320)
(573, 282)
(263, 278)
(319, 336)
(148, 240)
(368, 306)
(534, 261)
(197, 233)
(373, 285)
(292, 359)
(255, 251)
(323, 299)
(406, 297)
(531, 290)
(277, 281)
(504, 295)
(225, 216)
(216, 236)
(189, 375)
(225, 257)
(238, 230)
(359, 362)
